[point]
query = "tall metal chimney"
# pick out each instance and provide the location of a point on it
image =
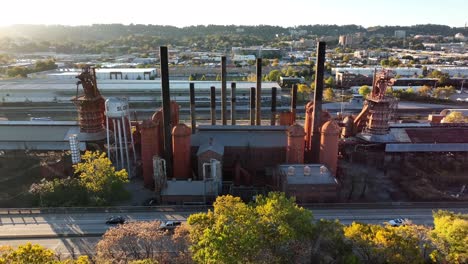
(252, 106)
(223, 90)
(273, 106)
(258, 115)
(318, 102)
(166, 103)
(293, 103)
(192, 107)
(213, 105)
(233, 104)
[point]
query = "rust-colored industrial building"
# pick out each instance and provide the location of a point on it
(208, 160)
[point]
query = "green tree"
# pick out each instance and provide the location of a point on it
(454, 117)
(304, 90)
(274, 75)
(450, 235)
(28, 253)
(329, 242)
(444, 92)
(328, 94)
(270, 230)
(329, 82)
(385, 244)
(100, 178)
(364, 90)
(425, 91)
(59, 192)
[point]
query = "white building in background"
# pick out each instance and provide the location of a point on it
(107, 74)
(402, 71)
(400, 34)
(460, 36)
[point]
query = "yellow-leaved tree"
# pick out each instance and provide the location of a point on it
(99, 177)
(271, 230)
(450, 236)
(454, 117)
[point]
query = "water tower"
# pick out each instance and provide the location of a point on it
(119, 132)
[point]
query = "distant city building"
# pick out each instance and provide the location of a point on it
(400, 34)
(346, 40)
(108, 74)
(460, 36)
(347, 79)
(258, 51)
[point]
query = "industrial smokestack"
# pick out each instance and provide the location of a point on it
(293, 103)
(233, 104)
(223, 90)
(252, 106)
(192, 107)
(318, 102)
(166, 102)
(213, 105)
(273, 106)
(258, 116)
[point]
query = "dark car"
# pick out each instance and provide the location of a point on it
(113, 220)
(170, 225)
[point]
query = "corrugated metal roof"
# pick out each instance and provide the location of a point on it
(439, 147)
(42, 135)
(438, 135)
(34, 145)
(65, 85)
(241, 136)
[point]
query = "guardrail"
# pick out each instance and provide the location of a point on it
(198, 208)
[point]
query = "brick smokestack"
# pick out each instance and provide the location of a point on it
(318, 102)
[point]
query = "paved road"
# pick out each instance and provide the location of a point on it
(56, 231)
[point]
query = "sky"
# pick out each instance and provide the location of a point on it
(283, 13)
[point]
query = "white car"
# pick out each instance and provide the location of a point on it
(398, 222)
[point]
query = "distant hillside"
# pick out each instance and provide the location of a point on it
(267, 33)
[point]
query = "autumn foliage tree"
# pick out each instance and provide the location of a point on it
(144, 242)
(97, 174)
(450, 236)
(96, 182)
(271, 230)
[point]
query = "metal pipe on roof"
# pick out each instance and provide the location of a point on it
(258, 117)
(213, 105)
(115, 142)
(166, 103)
(192, 107)
(273, 106)
(318, 101)
(252, 106)
(108, 139)
(233, 103)
(120, 145)
(124, 129)
(223, 90)
(293, 103)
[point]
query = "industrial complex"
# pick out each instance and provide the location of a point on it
(195, 162)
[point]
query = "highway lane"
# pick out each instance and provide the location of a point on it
(76, 224)
(56, 231)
